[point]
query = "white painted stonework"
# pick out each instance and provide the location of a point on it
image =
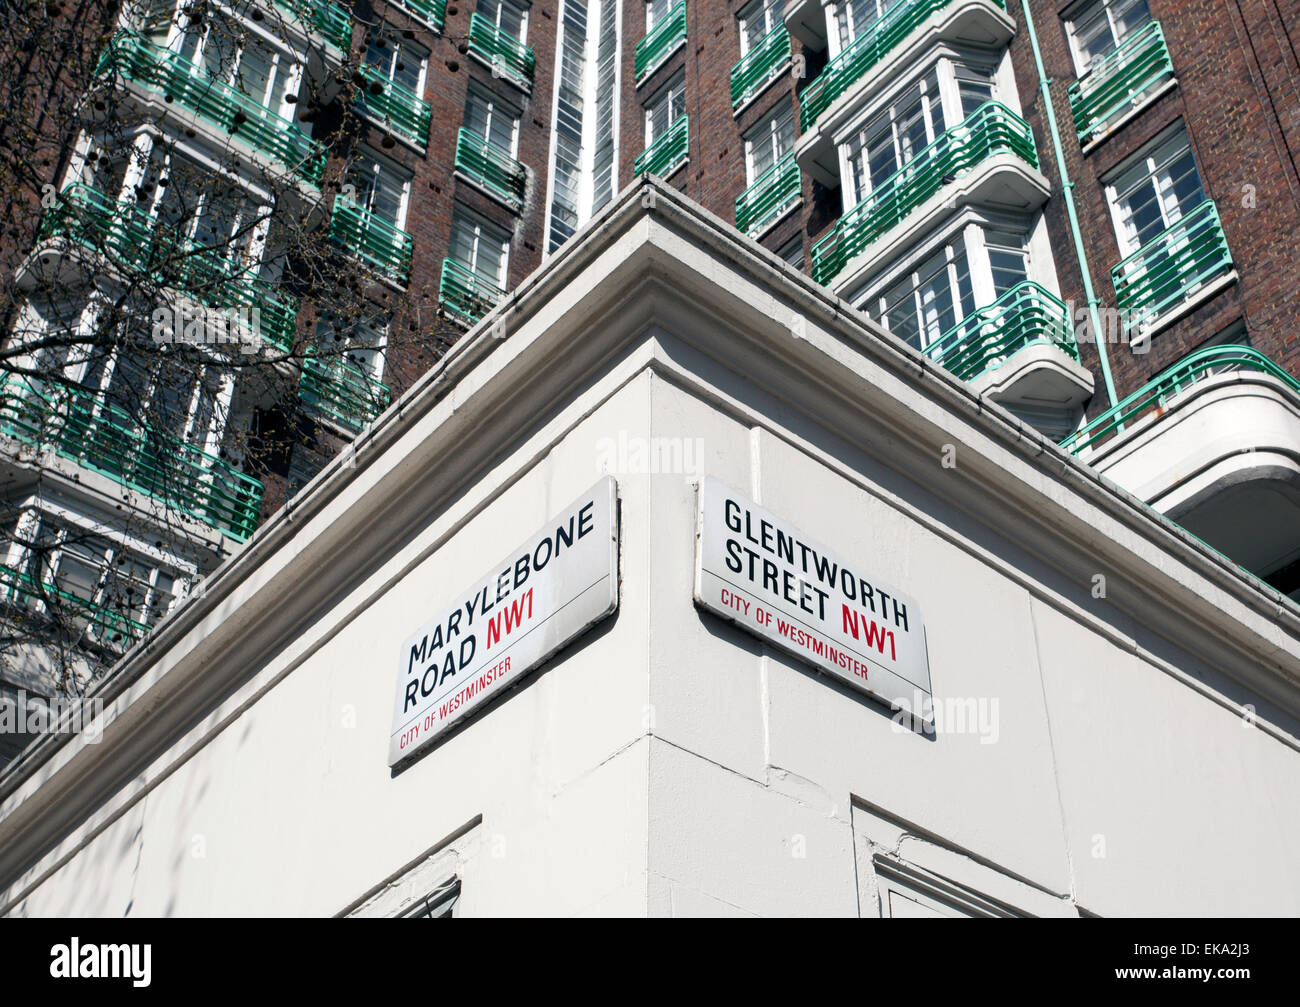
(1115, 706)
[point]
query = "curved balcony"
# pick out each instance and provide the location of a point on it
(337, 390)
(464, 294)
(431, 12)
(662, 41)
(376, 242)
(83, 426)
(990, 133)
(25, 589)
(182, 83)
(668, 153)
(134, 244)
(328, 20)
(490, 168)
(505, 55)
(1214, 443)
(886, 52)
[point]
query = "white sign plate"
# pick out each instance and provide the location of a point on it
(767, 577)
(550, 590)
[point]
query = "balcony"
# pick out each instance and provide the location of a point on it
(660, 43)
(340, 392)
(431, 12)
(84, 427)
(1117, 87)
(372, 240)
(178, 80)
(1173, 272)
(991, 130)
(773, 194)
(327, 19)
(1021, 352)
(666, 154)
(24, 589)
(400, 110)
(806, 20)
(759, 66)
(136, 244)
(506, 55)
(490, 168)
(464, 294)
(907, 34)
(1213, 442)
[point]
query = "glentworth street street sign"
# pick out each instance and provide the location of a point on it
(559, 582)
(770, 579)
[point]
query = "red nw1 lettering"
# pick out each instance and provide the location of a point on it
(513, 617)
(875, 635)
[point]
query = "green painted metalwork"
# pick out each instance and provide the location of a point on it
(773, 193)
(23, 588)
(373, 240)
(1172, 266)
(84, 426)
(1025, 315)
(465, 294)
(759, 65)
(491, 167)
(329, 19)
(176, 78)
(1120, 82)
(864, 52)
(990, 129)
(1157, 393)
(652, 50)
(338, 390)
(399, 108)
(507, 56)
(667, 153)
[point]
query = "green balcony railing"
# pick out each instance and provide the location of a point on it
(137, 243)
(773, 193)
(23, 588)
(337, 389)
(1172, 266)
(659, 43)
(863, 53)
(432, 12)
(667, 153)
(1025, 315)
(758, 66)
(992, 128)
(491, 167)
(508, 57)
(466, 295)
(329, 19)
(399, 108)
(1120, 82)
(99, 435)
(1157, 393)
(176, 78)
(373, 240)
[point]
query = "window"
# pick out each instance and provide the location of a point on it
(491, 119)
(508, 16)
(925, 303)
(894, 136)
(974, 87)
(480, 247)
(664, 109)
(378, 187)
(220, 47)
(768, 142)
(656, 11)
(792, 252)
(757, 21)
(439, 904)
(397, 59)
(856, 17)
(92, 579)
(1008, 260)
(1098, 27)
(1154, 192)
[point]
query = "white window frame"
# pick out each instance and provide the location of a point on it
(660, 97)
(484, 231)
(1128, 244)
(1079, 11)
(766, 131)
(497, 7)
(377, 162)
(496, 108)
(769, 11)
